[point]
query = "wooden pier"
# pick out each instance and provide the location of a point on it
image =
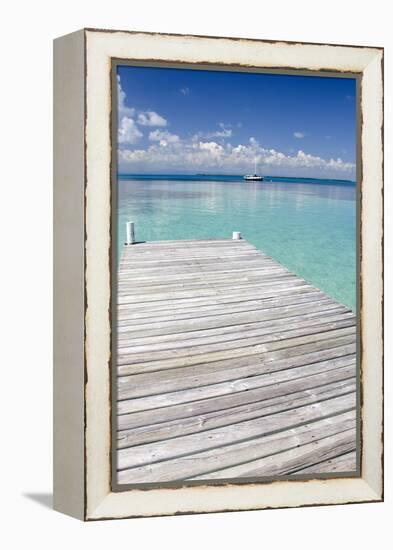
(229, 366)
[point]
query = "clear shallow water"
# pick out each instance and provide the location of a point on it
(307, 225)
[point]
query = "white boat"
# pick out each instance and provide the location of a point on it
(254, 176)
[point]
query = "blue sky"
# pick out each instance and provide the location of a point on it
(190, 121)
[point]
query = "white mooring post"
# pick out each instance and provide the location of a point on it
(130, 233)
(236, 235)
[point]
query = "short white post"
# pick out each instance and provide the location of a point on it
(130, 233)
(236, 235)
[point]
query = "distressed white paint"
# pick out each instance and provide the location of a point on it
(371, 269)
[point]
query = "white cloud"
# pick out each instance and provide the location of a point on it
(150, 118)
(163, 137)
(253, 142)
(185, 90)
(121, 99)
(128, 118)
(211, 147)
(338, 164)
(168, 152)
(225, 131)
(128, 132)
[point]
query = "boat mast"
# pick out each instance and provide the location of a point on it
(255, 165)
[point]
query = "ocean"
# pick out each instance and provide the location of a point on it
(308, 225)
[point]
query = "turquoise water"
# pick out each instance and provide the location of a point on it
(307, 225)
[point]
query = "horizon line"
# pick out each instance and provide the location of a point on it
(195, 174)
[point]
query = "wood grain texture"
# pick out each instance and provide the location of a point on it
(229, 366)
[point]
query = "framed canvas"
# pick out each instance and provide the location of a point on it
(218, 274)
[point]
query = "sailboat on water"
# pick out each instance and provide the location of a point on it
(254, 176)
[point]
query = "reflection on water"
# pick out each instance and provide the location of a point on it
(309, 228)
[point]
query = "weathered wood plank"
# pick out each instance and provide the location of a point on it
(290, 460)
(339, 464)
(199, 267)
(243, 337)
(219, 298)
(213, 460)
(143, 317)
(221, 382)
(199, 275)
(253, 349)
(324, 348)
(169, 357)
(219, 437)
(260, 288)
(170, 259)
(184, 339)
(141, 385)
(243, 305)
(267, 406)
(223, 274)
(166, 262)
(228, 365)
(229, 386)
(129, 289)
(214, 245)
(156, 328)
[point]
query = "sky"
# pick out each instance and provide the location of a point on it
(187, 121)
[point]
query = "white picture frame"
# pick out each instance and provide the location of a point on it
(82, 250)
